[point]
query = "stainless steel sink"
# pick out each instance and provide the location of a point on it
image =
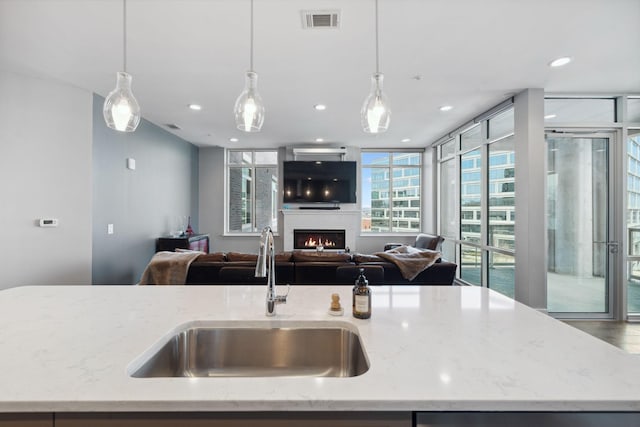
(310, 349)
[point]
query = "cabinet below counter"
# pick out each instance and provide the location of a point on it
(27, 420)
(323, 419)
(232, 419)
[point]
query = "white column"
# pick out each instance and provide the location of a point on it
(530, 227)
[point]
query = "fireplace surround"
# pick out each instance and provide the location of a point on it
(314, 238)
(305, 219)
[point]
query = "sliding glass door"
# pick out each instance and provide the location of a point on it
(579, 211)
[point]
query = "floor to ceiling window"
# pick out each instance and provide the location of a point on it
(633, 221)
(633, 207)
(501, 205)
(471, 209)
(477, 199)
(448, 198)
(591, 210)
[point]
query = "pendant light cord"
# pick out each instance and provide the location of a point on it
(251, 41)
(124, 33)
(377, 53)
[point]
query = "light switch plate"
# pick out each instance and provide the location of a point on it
(131, 163)
(109, 228)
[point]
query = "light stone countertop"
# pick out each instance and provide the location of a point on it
(67, 348)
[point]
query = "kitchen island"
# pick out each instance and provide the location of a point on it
(69, 349)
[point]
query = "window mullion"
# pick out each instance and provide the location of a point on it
(254, 221)
(391, 192)
(484, 213)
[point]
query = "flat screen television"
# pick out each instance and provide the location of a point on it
(319, 182)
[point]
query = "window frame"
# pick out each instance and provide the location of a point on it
(389, 175)
(228, 166)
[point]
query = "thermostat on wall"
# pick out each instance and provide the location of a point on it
(48, 222)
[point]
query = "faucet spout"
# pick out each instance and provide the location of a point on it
(266, 267)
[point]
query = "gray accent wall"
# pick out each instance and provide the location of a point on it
(142, 204)
(45, 172)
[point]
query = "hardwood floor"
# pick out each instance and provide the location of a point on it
(621, 334)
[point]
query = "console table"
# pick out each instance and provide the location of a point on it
(194, 242)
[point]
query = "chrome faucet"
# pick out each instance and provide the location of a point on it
(266, 267)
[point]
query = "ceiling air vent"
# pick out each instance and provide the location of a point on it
(173, 126)
(320, 19)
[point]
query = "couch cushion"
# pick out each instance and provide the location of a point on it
(204, 273)
(214, 257)
(284, 257)
(360, 258)
(239, 274)
(428, 241)
(348, 274)
(237, 256)
(320, 257)
(317, 272)
(442, 273)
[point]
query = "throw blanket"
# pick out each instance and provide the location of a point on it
(168, 268)
(410, 261)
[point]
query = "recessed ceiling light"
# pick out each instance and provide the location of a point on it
(560, 61)
(550, 116)
(320, 107)
(233, 139)
(406, 140)
(446, 108)
(195, 107)
(319, 139)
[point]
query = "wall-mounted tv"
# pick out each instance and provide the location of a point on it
(319, 181)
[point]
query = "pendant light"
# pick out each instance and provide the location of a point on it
(249, 110)
(376, 114)
(121, 110)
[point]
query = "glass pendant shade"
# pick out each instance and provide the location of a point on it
(121, 110)
(375, 114)
(249, 109)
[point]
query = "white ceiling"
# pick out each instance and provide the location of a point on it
(471, 54)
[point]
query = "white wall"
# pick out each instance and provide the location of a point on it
(211, 208)
(45, 171)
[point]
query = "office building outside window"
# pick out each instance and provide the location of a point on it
(477, 194)
(633, 220)
(391, 189)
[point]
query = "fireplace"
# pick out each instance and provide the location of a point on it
(311, 239)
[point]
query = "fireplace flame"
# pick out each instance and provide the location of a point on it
(312, 242)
